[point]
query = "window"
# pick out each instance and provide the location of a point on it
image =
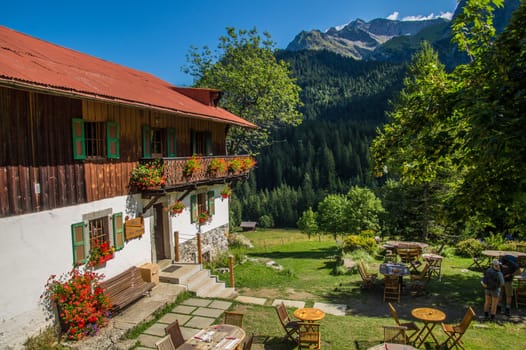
(99, 227)
(158, 142)
(202, 143)
(95, 139)
(201, 202)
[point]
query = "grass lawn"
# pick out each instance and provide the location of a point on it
(307, 275)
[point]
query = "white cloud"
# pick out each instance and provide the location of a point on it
(393, 16)
(446, 15)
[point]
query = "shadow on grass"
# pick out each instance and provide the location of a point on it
(320, 253)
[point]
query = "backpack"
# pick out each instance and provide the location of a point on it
(491, 279)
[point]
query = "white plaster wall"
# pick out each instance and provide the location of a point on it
(188, 230)
(35, 246)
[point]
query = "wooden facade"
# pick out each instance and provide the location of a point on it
(37, 166)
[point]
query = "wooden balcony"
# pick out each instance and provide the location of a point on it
(175, 179)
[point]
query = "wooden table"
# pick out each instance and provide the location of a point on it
(217, 337)
(404, 244)
(430, 317)
(392, 346)
(309, 314)
(496, 254)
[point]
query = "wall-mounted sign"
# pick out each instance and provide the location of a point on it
(133, 228)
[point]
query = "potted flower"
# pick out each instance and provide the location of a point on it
(78, 301)
(99, 254)
(234, 165)
(226, 192)
(148, 175)
(192, 166)
(216, 166)
(247, 163)
(203, 217)
(176, 208)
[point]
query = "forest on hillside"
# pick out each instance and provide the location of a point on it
(344, 102)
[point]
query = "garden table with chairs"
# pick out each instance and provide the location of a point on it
(220, 337)
(430, 317)
(309, 314)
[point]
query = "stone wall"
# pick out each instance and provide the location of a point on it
(213, 244)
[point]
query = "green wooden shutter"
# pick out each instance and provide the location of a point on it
(194, 208)
(79, 144)
(146, 141)
(79, 244)
(211, 202)
(193, 140)
(208, 144)
(170, 142)
(118, 231)
(112, 140)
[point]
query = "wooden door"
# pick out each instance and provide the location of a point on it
(159, 232)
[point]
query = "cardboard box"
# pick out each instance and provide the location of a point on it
(150, 272)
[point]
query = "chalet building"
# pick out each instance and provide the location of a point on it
(73, 129)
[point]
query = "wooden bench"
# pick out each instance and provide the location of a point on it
(125, 288)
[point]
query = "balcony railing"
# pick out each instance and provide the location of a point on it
(173, 170)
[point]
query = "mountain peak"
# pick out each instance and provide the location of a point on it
(357, 39)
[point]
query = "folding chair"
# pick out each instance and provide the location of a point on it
(290, 326)
(367, 273)
(421, 275)
(234, 318)
(367, 280)
(520, 292)
(174, 331)
(165, 343)
(455, 332)
(435, 268)
(392, 288)
(395, 334)
(309, 336)
(411, 329)
(248, 343)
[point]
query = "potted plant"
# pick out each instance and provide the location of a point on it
(99, 254)
(234, 165)
(247, 163)
(226, 192)
(148, 175)
(203, 217)
(78, 301)
(176, 208)
(192, 166)
(216, 166)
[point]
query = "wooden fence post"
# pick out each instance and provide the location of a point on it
(231, 269)
(176, 245)
(199, 252)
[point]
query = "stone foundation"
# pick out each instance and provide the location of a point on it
(213, 244)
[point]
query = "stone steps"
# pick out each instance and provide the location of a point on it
(196, 279)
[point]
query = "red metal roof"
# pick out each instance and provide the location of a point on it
(27, 60)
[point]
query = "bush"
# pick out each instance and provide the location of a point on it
(266, 221)
(469, 248)
(355, 242)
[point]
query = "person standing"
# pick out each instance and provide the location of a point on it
(508, 267)
(492, 281)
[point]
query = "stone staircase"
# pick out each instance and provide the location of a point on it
(196, 279)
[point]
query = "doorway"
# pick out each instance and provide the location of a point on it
(160, 250)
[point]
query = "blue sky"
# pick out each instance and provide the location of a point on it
(155, 36)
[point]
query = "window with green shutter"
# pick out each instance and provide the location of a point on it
(170, 143)
(211, 203)
(146, 141)
(112, 140)
(79, 145)
(118, 231)
(80, 253)
(194, 208)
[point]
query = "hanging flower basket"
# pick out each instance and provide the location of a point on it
(203, 217)
(226, 192)
(176, 208)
